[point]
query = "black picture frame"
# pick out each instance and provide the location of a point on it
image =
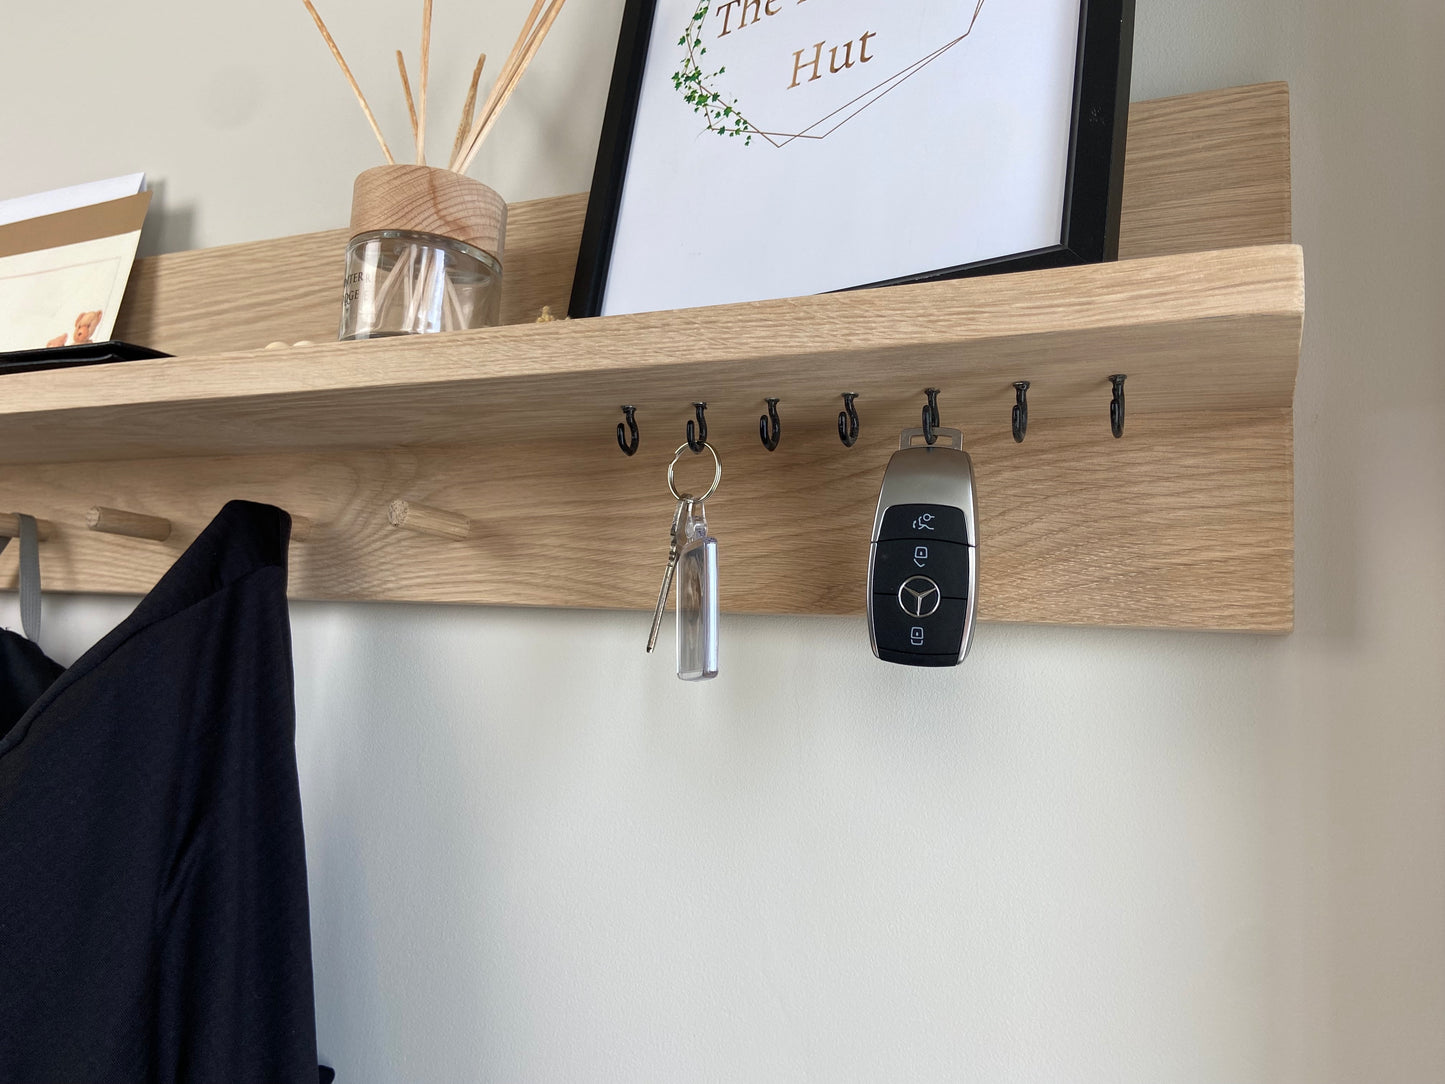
(1093, 189)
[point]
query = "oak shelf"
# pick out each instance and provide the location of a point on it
(511, 427)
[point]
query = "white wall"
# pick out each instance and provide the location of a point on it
(1085, 855)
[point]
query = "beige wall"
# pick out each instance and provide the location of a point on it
(1085, 855)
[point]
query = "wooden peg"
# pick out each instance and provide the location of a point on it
(410, 516)
(301, 529)
(10, 527)
(130, 524)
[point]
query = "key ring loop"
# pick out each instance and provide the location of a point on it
(716, 477)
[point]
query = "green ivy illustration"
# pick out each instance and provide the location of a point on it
(721, 117)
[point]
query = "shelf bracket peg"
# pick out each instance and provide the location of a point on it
(696, 438)
(1021, 410)
(628, 448)
(1116, 405)
(770, 428)
(930, 417)
(848, 420)
(302, 528)
(424, 519)
(129, 524)
(10, 527)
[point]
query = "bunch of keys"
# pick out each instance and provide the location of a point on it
(692, 559)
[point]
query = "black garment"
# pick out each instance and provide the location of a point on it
(153, 911)
(25, 673)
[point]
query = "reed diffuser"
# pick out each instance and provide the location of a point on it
(426, 245)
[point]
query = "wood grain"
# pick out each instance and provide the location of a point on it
(237, 296)
(1207, 171)
(542, 240)
(428, 200)
(1216, 331)
(1202, 171)
(1075, 526)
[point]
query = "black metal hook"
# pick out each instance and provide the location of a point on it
(1116, 405)
(1021, 410)
(697, 438)
(930, 416)
(770, 428)
(628, 449)
(848, 420)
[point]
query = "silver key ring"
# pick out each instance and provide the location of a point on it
(716, 477)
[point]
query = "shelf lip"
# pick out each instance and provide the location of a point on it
(1264, 281)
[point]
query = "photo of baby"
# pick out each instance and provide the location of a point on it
(85, 325)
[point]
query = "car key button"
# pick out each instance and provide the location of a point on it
(937, 631)
(945, 563)
(940, 521)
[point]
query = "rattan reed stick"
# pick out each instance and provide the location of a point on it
(503, 76)
(553, 11)
(425, 73)
(468, 108)
(406, 89)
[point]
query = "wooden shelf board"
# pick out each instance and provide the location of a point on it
(1201, 332)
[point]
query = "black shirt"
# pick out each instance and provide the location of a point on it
(25, 673)
(153, 911)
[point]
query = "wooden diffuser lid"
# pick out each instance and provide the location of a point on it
(429, 200)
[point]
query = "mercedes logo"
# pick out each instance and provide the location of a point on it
(919, 596)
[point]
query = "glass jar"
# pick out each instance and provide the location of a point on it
(405, 282)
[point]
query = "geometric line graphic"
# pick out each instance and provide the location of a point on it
(829, 123)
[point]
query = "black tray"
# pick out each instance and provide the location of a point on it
(67, 357)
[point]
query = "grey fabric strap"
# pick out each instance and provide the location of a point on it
(29, 577)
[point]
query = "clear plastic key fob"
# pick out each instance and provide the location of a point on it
(697, 610)
(923, 561)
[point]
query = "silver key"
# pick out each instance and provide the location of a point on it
(684, 503)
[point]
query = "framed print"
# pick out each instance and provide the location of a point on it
(758, 149)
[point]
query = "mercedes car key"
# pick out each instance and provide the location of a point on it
(923, 565)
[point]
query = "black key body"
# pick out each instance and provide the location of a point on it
(923, 562)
